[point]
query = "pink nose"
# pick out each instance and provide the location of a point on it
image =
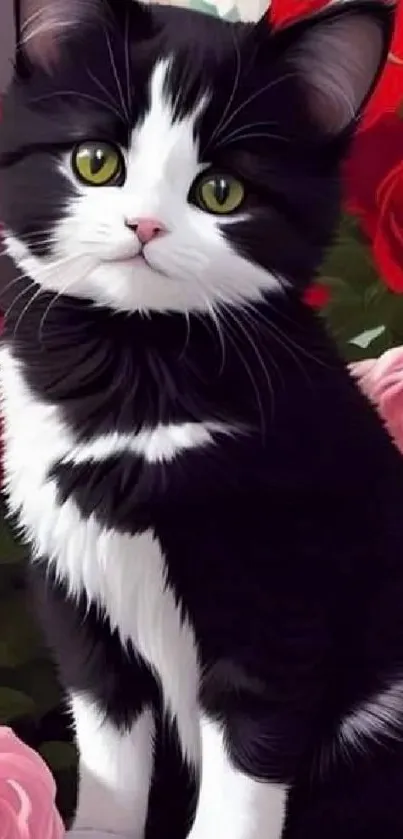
(146, 229)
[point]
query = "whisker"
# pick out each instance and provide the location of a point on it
(102, 87)
(116, 75)
(226, 141)
(42, 269)
(78, 94)
(246, 129)
(14, 282)
(251, 321)
(233, 93)
(216, 321)
(256, 351)
(187, 337)
(21, 294)
(127, 58)
(26, 309)
(8, 311)
(264, 123)
(232, 335)
(289, 341)
(26, 237)
(254, 96)
(39, 242)
(41, 290)
(66, 288)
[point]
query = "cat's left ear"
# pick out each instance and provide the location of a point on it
(338, 55)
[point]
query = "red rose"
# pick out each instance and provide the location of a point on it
(374, 192)
(374, 173)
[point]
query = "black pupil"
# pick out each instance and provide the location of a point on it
(97, 161)
(221, 190)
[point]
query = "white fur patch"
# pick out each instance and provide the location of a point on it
(125, 575)
(155, 445)
(377, 718)
(233, 805)
(190, 268)
(114, 772)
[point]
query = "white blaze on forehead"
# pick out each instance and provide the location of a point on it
(163, 155)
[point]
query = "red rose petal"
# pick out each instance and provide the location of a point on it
(284, 11)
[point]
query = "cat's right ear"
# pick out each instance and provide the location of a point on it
(336, 56)
(41, 27)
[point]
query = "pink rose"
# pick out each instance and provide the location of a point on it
(27, 793)
(382, 381)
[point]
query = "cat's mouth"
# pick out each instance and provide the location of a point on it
(139, 260)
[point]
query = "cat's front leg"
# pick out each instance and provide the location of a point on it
(115, 767)
(233, 804)
(110, 692)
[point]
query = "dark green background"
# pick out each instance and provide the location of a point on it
(30, 699)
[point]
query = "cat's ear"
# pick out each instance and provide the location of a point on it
(42, 26)
(338, 55)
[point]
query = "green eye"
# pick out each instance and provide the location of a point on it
(98, 164)
(218, 193)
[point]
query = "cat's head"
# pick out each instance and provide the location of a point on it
(156, 159)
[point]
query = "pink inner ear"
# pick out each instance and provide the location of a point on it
(339, 62)
(45, 23)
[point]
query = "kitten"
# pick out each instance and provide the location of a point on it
(214, 510)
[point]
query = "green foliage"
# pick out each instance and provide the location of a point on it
(30, 697)
(364, 316)
(13, 705)
(10, 550)
(58, 755)
(18, 633)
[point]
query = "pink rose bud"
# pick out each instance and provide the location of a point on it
(381, 379)
(27, 793)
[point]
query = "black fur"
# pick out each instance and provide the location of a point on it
(283, 542)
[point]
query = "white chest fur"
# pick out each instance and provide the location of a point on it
(124, 575)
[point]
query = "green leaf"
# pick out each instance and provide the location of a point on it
(366, 338)
(58, 755)
(377, 347)
(39, 679)
(392, 312)
(10, 550)
(19, 638)
(14, 704)
(350, 257)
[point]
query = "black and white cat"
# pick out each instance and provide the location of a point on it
(214, 510)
